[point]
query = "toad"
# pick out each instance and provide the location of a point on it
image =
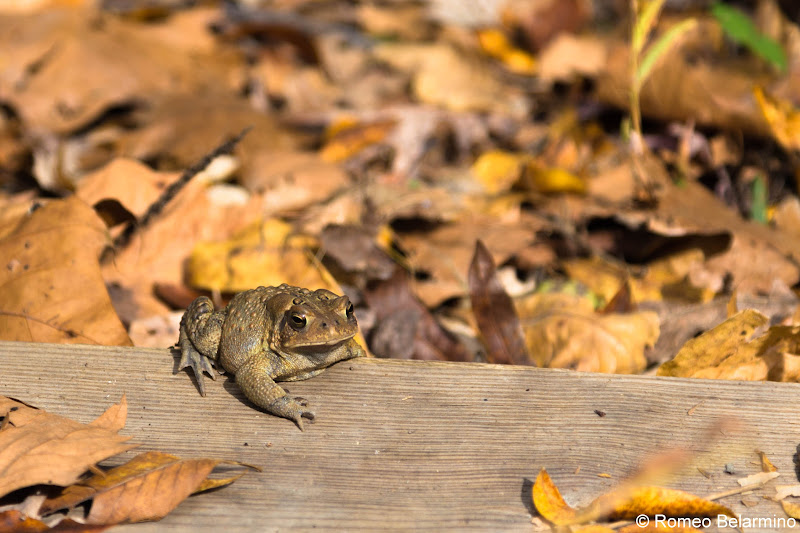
(266, 335)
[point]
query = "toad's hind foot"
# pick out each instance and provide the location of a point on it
(201, 328)
(198, 362)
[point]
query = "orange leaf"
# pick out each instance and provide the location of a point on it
(145, 488)
(52, 263)
(658, 500)
(549, 502)
(37, 447)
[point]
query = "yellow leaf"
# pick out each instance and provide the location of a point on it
(263, 254)
(346, 139)
(549, 503)
(495, 43)
(718, 345)
(564, 331)
(791, 509)
(665, 277)
(766, 464)
(782, 117)
(553, 179)
(497, 170)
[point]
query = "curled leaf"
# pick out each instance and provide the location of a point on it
(549, 502)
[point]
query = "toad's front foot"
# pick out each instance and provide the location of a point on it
(291, 408)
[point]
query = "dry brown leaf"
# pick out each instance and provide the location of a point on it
(405, 329)
(291, 181)
(37, 447)
(13, 521)
(157, 252)
(662, 278)
(757, 479)
(145, 488)
(97, 61)
(755, 256)
(549, 503)
(494, 311)
(782, 116)
(563, 331)
(180, 129)
(497, 170)
(446, 251)
(130, 182)
(444, 77)
(51, 289)
(709, 93)
(569, 56)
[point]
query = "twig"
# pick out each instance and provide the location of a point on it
(158, 206)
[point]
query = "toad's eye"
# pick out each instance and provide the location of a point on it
(297, 320)
(349, 311)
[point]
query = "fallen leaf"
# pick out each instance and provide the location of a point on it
(63, 298)
(550, 180)
(651, 501)
(145, 488)
(119, 62)
(444, 77)
(497, 170)
(157, 253)
(347, 139)
(549, 503)
(405, 329)
(264, 254)
(784, 491)
(15, 522)
(727, 352)
(782, 116)
(37, 447)
(494, 311)
(497, 45)
(791, 509)
(445, 252)
(564, 331)
(757, 479)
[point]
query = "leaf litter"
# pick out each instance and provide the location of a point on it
(381, 152)
(40, 449)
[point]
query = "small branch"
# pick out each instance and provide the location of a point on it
(158, 206)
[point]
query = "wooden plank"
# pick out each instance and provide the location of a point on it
(414, 445)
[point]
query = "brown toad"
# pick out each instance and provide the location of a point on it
(266, 335)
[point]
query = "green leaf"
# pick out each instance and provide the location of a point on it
(660, 47)
(740, 29)
(758, 209)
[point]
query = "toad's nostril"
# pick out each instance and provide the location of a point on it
(324, 325)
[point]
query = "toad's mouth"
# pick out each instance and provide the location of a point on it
(318, 346)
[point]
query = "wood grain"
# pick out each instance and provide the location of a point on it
(402, 445)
